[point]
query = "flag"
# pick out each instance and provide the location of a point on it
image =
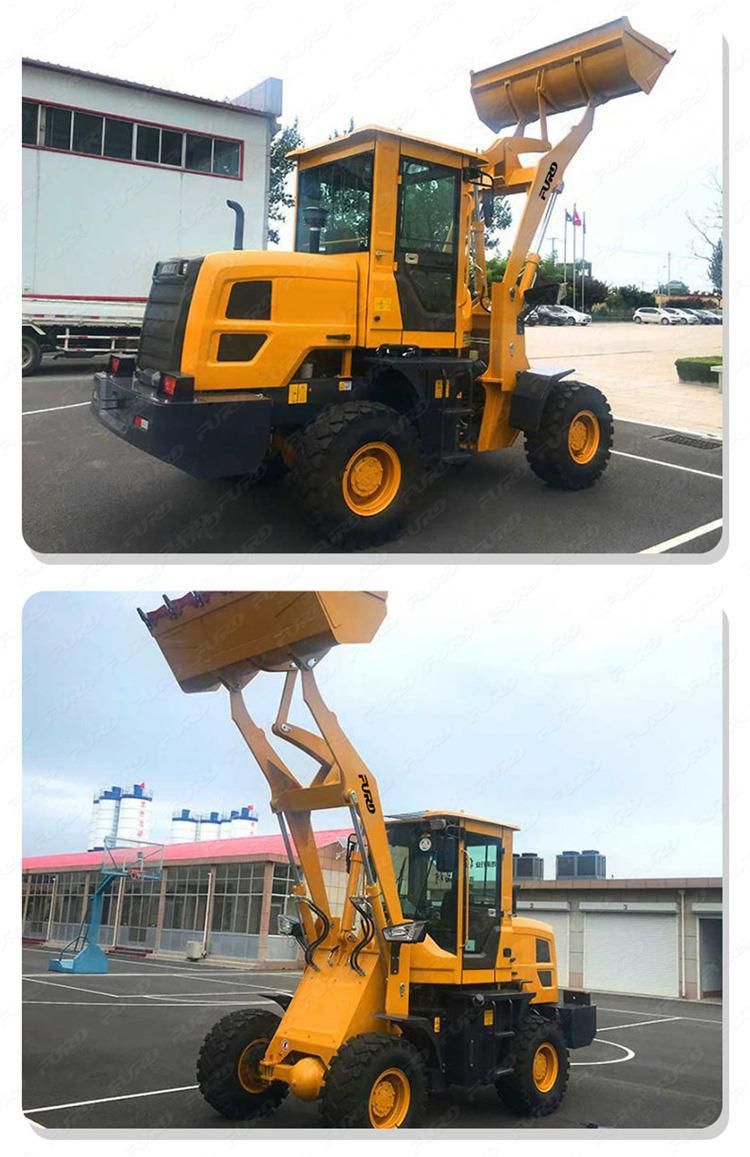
(576, 218)
(568, 216)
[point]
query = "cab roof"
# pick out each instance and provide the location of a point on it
(451, 814)
(371, 132)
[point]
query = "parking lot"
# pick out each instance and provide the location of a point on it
(87, 492)
(118, 1051)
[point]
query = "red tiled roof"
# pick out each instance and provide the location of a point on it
(245, 848)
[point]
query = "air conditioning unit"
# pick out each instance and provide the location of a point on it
(194, 950)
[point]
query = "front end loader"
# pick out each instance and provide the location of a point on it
(377, 352)
(426, 977)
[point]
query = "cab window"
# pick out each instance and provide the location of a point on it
(426, 867)
(334, 206)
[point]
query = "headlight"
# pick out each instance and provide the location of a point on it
(412, 933)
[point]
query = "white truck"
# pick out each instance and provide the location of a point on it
(116, 175)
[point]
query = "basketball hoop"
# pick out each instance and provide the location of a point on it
(135, 873)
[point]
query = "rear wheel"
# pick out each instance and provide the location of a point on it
(541, 1067)
(31, 355)
(228, 1073)
(375, 1081)
(638, 320)
(356, 467)
(572, 446)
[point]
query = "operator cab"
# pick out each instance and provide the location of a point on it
(449, 873)
(398, 202)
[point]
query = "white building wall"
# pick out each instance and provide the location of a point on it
(94, 226)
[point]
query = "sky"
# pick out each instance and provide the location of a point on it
(586, 713)
(649, 162)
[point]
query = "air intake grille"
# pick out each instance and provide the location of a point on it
(165, 316)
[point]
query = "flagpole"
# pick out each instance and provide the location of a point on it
(583, 266)
(574, 254)
(565, 251)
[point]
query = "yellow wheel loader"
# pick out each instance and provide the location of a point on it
(426, 977)
(376, 352)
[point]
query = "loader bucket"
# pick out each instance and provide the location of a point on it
(609, 61)
(206, 635)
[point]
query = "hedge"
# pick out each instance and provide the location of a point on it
(698, 369)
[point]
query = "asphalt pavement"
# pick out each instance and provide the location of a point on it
(118, 1052)
(87, 492)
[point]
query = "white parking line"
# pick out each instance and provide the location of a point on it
(688, 536)
(104, 1100)
(166, 1004)
(54, 409)
(629, 1054)
(642, 1012)
(670, 465)
(69, 987)
(639, 1023)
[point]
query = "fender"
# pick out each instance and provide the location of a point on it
(530, 396)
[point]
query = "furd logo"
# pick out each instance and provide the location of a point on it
(548, 181)
(366, 792)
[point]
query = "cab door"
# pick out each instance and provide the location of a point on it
(482, 857)
(426, 252)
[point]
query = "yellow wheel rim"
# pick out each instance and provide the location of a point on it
(248, 1073)
(389, 1100)
(372, 477)
(545, 1067)
(583, 437)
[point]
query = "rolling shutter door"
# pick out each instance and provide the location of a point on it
(631, 953)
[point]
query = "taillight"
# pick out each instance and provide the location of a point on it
(114, 365)
(169, 384)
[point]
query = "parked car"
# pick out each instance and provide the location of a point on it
(556, 315)
(579, 317)
(712, 316)
(653, 315)
(684, 316)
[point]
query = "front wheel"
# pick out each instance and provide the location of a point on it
(571, 448)
(357, 466)
(228, 1073)
(31, 355)
(541, 1067)
(570, 321)
(376, 1081)
(665, 321)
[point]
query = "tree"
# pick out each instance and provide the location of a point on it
(716, 266)
(502, 218)
(710, 231)
(279, 197)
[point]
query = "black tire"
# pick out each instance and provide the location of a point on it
(353, 1073)
(31, 355)
(570, 321)
(520, 1091)
(218, 1068)
(322, 470)
(638, 320)
(665, 321)
(548, 449)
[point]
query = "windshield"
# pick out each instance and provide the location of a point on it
(334, 206)
(425, 863)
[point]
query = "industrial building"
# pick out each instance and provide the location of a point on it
(120, 813)
(659, 937)
(118, 175)
(189, 827)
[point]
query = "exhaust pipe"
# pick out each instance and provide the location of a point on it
(239, 224)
